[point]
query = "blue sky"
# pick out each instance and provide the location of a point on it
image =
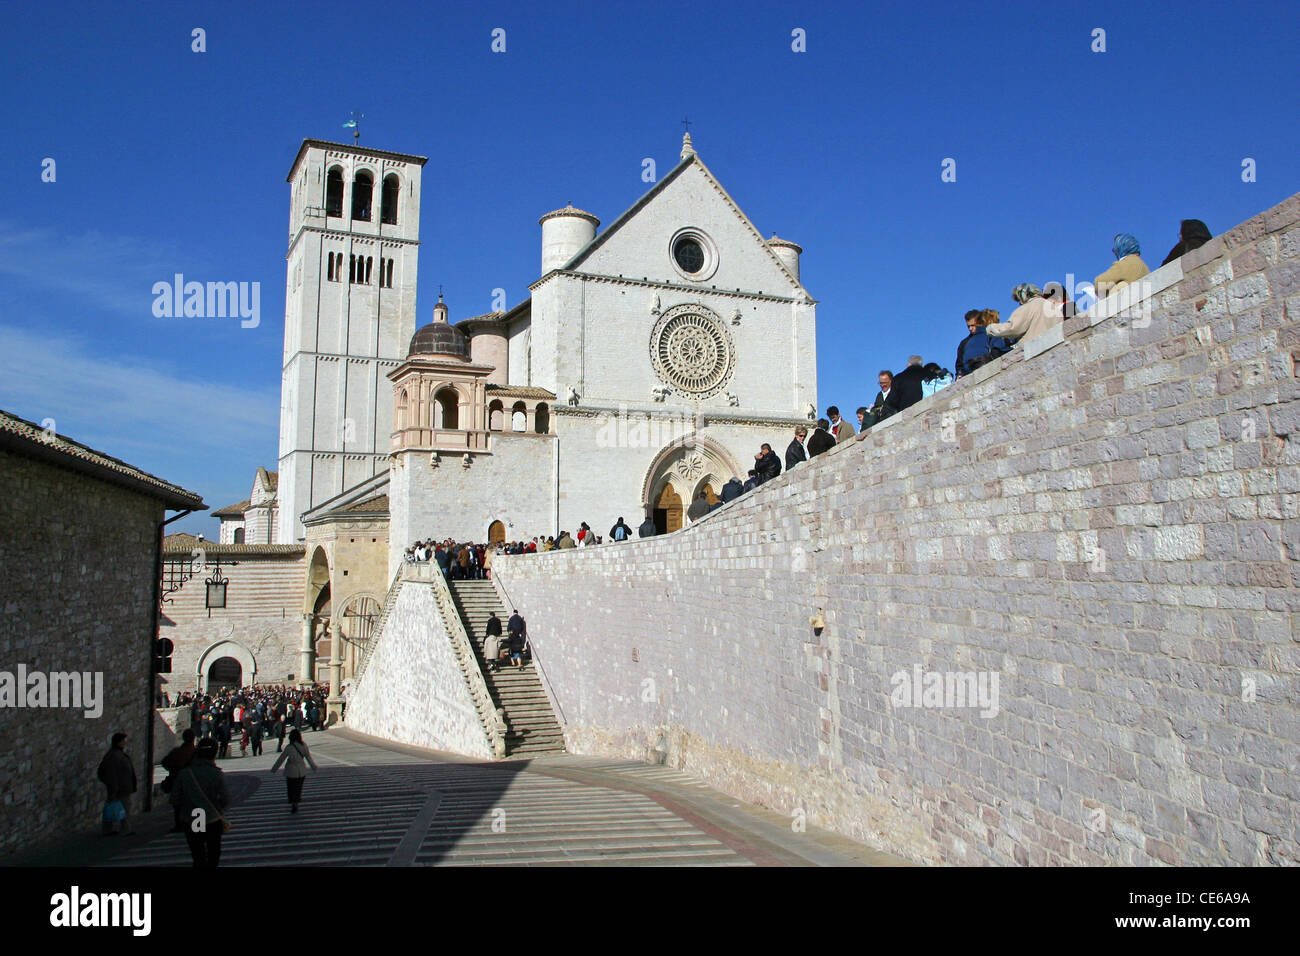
(173, 161)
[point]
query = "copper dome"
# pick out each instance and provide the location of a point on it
(439, 338)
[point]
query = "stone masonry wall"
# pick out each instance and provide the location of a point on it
(1106, 526)
(413, 690)
(76, 591)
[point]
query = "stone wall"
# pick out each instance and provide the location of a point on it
(76, 595)
(261, 625)
(412, 689)
(515, 484)
(1104, 523)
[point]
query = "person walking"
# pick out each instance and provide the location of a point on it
(177, 759)
(517, 632)
(277, 731)
(223, 735)
(295, 758)
(203, 795)
(118, 777)
(256, 728)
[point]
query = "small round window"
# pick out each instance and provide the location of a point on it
(689, 255)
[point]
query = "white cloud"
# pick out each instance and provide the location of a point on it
(111, 272)
(130, 409)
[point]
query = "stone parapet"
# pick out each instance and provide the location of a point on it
(1057, 600)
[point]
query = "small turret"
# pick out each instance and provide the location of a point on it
(788, 252)
(565, 232)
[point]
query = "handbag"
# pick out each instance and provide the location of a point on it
(114, 811)
(213, 813)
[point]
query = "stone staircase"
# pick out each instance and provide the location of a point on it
(531, 727)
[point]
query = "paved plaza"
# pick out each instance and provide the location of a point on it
(375, 803)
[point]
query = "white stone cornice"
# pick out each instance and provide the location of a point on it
(342, 235)
(800, 298)
(708, 416)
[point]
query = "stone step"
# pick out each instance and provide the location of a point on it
(516, 692)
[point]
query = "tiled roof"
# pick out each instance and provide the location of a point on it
(519, 391)
(375, 505)
(272, 478)
(25, 438)
(176, 545)
(232, 511)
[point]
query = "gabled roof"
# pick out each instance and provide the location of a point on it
(271, 479)
(233, 511)
(31, 441)
(691, 159)
(362, 498)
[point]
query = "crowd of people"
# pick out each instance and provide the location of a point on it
(249, 715)
(195, 785)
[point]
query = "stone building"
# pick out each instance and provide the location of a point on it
(80, 606)
(255, 520)
(647, 365)
(256, 636)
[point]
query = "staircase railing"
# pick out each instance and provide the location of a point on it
(493, 723)
(508, 602)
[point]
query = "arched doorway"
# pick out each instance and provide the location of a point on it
(225, 672)
(668, 511)
(317, 608)
(359, 620)
(496, 532)
(679, 472)
(710, 494)
(323, 645)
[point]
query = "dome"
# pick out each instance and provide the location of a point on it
(570, 212)
(439, 338)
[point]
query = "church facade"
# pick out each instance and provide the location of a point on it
(647, 365)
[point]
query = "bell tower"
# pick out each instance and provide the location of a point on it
(354, 236)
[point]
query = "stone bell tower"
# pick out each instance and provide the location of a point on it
(354, 227)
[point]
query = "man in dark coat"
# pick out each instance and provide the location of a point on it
(620, 531)
(821, 439)
(767, 464)
(908, 382)
(794, 452)
(177, 759)
(886, 403)
(752, 481)
(516, 631)
(223, 734)
(699, 507)
(256, 730)
(118, 777)
(647, 529)
(203, 795)
(732, 490)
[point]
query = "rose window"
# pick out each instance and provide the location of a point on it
(692, 352)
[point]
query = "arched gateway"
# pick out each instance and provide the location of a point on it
(681, 471)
